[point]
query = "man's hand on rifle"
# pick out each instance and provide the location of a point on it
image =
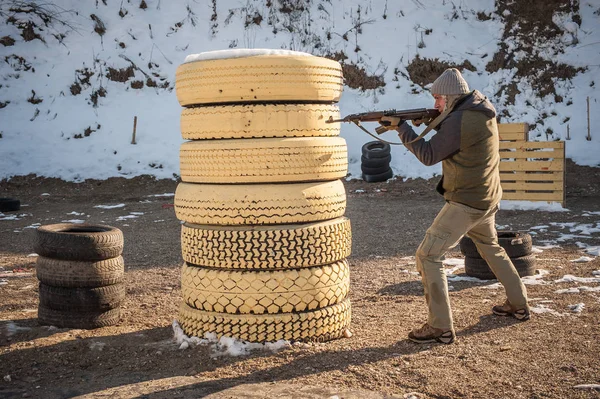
(418, 122)
(390, 122)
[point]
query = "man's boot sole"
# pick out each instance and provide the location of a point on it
(508, 314)
(431, 340)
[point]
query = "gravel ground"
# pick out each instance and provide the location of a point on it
(547, 357)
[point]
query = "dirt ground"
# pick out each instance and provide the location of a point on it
(493, 357)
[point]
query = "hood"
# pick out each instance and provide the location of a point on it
(475, 101)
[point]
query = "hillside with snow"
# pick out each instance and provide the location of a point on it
(74, 75)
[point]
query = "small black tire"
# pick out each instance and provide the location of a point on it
(9, 205)
(375, 171)
(376, 149)
(71, 241)
(515, 243)
(377, 178)
(375, 162)
(80, 274)
(85, 320)
(82, 299)
(478, 267)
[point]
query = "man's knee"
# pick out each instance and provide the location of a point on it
(434, 245)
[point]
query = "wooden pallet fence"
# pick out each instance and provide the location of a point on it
(513, 131)
(533, 171)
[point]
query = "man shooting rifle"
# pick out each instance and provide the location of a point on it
(466, 142)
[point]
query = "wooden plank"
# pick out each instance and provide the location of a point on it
(513, 131)
(532, 166)
(533, 177)
(537, 186)
(505, 145)
(555, 154)
(525, 196)
(510, 137)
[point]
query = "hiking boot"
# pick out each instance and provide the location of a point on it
(507, 309)
(431, 334)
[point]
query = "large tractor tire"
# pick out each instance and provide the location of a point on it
(259, 78)
(258, 204)
(266, 247)
(316, 325)
(259, 120)
(258, 292)
(273, 160)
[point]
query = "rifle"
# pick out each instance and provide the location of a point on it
(427, 115)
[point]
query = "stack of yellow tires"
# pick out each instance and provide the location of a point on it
(264, 237)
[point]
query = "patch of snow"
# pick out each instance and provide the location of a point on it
(536, 279)
(587, 386)
(539, 309)
(109, 206)
(224, 346)
(532, 206)
(97, 346)
(454, 262)
(582, 259)
(162, 195)
(12, 328)
(568, 278)
(577, 308)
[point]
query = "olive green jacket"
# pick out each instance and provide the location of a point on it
(466, 143)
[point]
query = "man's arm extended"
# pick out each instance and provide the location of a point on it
(443, 144)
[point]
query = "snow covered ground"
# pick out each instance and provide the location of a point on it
(57, 120)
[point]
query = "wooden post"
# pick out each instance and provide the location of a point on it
(568, 136)
(589, 136)
(134, 127)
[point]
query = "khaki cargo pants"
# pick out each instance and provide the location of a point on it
(451, 224)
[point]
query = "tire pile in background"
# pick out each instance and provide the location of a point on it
(81, 272)
(9, 204)
(518, 247)
(375, 162)
(264, 238)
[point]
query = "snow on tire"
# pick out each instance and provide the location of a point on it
(258, 204)
(272, 160)
(259, 120)
(260, 78)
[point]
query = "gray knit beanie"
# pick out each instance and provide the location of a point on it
(450, 83)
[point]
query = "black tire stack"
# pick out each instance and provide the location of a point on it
(517, 246)
(9, 205)
(81, 272)
(375, 162)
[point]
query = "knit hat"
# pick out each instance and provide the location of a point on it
(450, 83)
